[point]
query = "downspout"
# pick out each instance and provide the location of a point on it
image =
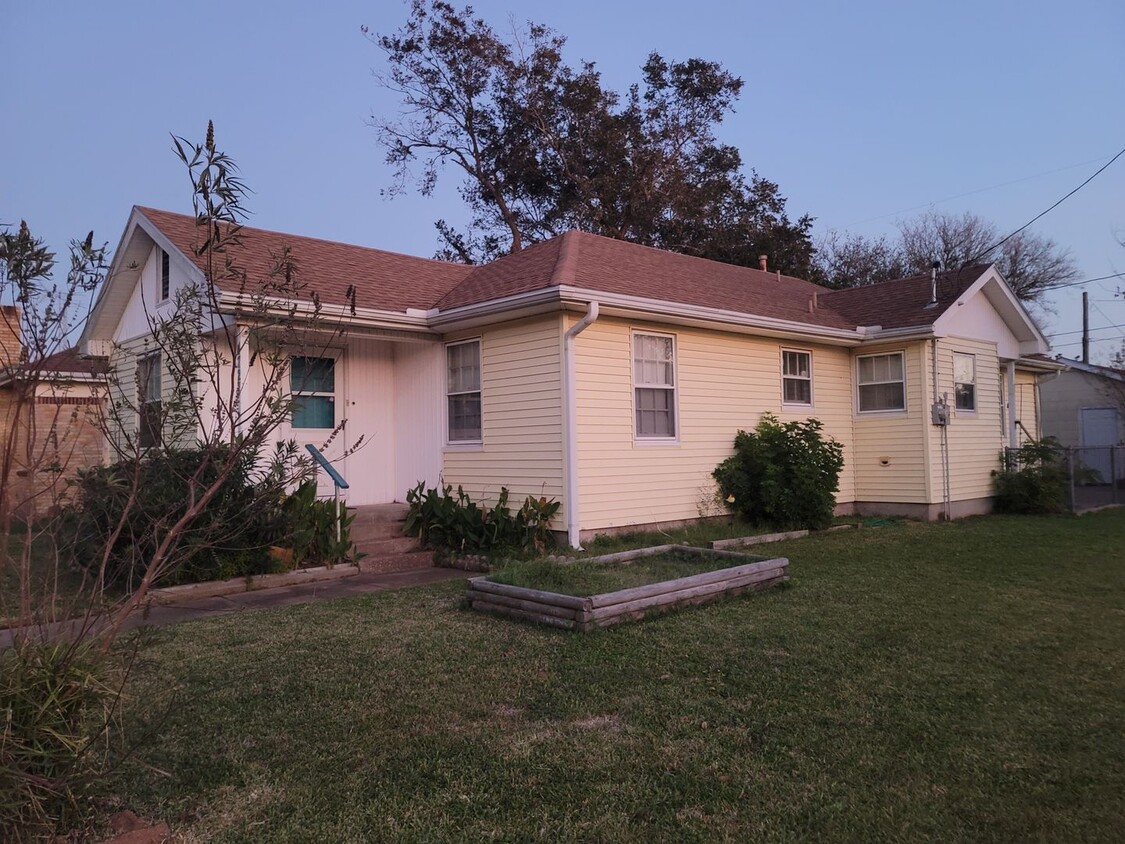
(573, 525)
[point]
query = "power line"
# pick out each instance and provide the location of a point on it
(1100, 311)
(1083, 281)
(1079, 331)
(1002, 241)
(974, 192)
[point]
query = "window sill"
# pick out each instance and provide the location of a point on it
(879, 414)
(655, 443)
(466, 446)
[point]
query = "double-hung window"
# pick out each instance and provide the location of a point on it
(881, 382)
(462, 392)
(149, 401)
(312, 384)
(654, 386)
(165, 276)
(965, 381)
(796, 377)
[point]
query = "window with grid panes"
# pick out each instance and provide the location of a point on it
(881, 382)
(654, 386)
(463, 394)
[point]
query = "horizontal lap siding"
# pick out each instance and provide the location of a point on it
(724, 383)
(975, 437)
(890, 449)
(521, 397)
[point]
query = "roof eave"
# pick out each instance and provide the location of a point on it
(552, 298)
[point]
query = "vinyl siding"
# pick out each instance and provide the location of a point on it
(891, 461)
(521, 403)
(976, 438)
(724, 383)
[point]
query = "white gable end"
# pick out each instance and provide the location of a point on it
(989, 311)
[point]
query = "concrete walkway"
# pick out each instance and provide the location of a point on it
(280, 596)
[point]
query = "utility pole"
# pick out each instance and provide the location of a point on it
(1085, 327)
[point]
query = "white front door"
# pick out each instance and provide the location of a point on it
(1099, 430)
(318, 417)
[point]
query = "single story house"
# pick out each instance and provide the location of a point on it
(1084, 408)
(613, 376)
(50, 421)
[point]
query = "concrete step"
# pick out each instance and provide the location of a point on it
(387, 547)
(380, 563)
(376, 532)
(368, 514)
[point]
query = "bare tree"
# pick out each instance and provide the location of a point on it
(1030, 263)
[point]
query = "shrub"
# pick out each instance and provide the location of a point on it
(458, 525)
(783, 474)
(57, 705)
(1033, 479)
(311, 527)
(231, 538)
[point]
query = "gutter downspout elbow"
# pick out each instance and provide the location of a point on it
(573, 525)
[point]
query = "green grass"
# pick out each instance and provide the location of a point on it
(960, 682)
(590, 578)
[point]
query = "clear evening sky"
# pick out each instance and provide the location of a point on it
(864, 113)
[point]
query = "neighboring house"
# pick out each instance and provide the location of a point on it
(51, 425)
(1084, 407)
(614, 377)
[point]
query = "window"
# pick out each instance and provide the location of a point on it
(164, 273)
(149, 401)
(654, 386)
(964, 381)
(796, 377)
(312, 382)
(881, 381)
(462, 391)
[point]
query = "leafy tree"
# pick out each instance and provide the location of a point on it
(545, 147)
(1030, 263)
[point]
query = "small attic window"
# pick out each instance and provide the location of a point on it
(164, 273)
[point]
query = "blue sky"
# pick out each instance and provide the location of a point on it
(863, 112)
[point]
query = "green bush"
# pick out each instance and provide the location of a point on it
(231, 538)
(1033, 479)
(311, 527)
(57, 706)
(456, 524)
(783, 474)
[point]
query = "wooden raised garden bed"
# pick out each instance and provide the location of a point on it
(590, 612)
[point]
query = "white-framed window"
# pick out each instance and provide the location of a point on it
(462, 392)
(165, 275)
(312, 384)
(149, 401)
(965, 381)
(881, 382)
(796, 377)
(654, 386)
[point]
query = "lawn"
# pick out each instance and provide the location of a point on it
(914, 682)
(585, 578)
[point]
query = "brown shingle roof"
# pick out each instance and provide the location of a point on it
(392, 281)
(68, 362)
(383, 280)
(901, 303)
(600, 263)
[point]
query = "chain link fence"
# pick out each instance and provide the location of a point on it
(1097, 476)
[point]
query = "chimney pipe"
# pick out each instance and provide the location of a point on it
(933, 281)
(762, 262)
